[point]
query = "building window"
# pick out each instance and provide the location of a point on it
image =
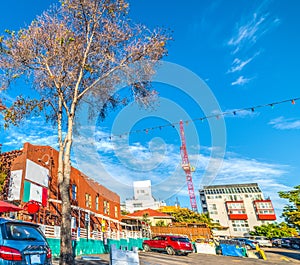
(106, 207)
(116, 211)
(97, 203)
(88, 200)
(74, 191)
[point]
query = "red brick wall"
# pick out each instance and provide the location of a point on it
(43, 155)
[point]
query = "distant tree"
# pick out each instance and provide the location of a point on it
(78, 51)
(291, 212)
(146, 218)
(124, 212)
(274, 230)
(185, 215)
(3, 175)
(160, 223)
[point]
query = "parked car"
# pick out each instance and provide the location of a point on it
(171, 244)
(295, 242)
(22, 243)
(263, 241)
(291, 242)
(276, 242)
(249, 244)
(286, 242)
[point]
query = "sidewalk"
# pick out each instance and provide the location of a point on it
(96, 259)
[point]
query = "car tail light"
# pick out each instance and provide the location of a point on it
(49, 254)
(8, 253)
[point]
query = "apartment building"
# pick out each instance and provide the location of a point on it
(142, 198)
(236, 207)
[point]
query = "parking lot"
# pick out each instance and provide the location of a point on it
(274, 256)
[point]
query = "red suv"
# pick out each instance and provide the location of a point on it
(171, 244)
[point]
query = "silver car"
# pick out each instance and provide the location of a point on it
(22, 243)
(263, 241)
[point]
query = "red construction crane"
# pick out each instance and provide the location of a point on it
(188, 169)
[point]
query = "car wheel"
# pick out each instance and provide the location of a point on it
(170, 250)
(146, 247)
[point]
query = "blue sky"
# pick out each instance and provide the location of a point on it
(246, 53)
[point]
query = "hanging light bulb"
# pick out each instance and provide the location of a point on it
(293, 102)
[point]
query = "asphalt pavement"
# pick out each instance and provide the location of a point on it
(275, 256)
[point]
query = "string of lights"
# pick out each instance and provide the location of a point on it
(203, 118)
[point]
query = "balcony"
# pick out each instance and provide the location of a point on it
(271, 217)
(238, 216)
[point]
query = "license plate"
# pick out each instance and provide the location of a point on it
(35, 259)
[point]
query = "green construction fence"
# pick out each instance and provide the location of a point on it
(85, 246)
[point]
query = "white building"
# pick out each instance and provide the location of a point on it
(143, 198)
(237, 208)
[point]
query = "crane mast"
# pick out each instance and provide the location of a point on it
(188, 169)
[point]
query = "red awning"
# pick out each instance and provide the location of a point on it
(8, 207)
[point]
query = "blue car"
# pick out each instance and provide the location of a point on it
(249, 244)
(22, 243)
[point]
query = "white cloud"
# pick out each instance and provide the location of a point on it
(33, 130)
(282, 123)
(242, 169)
(117, 164)
(249, 32)
(238, 64)
(241, 81)
(167, 177)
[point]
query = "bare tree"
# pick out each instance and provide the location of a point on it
(79, 49)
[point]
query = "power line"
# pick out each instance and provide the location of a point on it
(203, 118)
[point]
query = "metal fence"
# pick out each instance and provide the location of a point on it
(54, 232)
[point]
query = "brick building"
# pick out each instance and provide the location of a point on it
(32, 181)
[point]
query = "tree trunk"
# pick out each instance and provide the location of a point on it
(66, 251)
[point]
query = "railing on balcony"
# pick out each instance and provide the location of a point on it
(54, 232)
(270, 217)
(238, 216)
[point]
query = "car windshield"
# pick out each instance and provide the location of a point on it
(19, 231)
(180, 239)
